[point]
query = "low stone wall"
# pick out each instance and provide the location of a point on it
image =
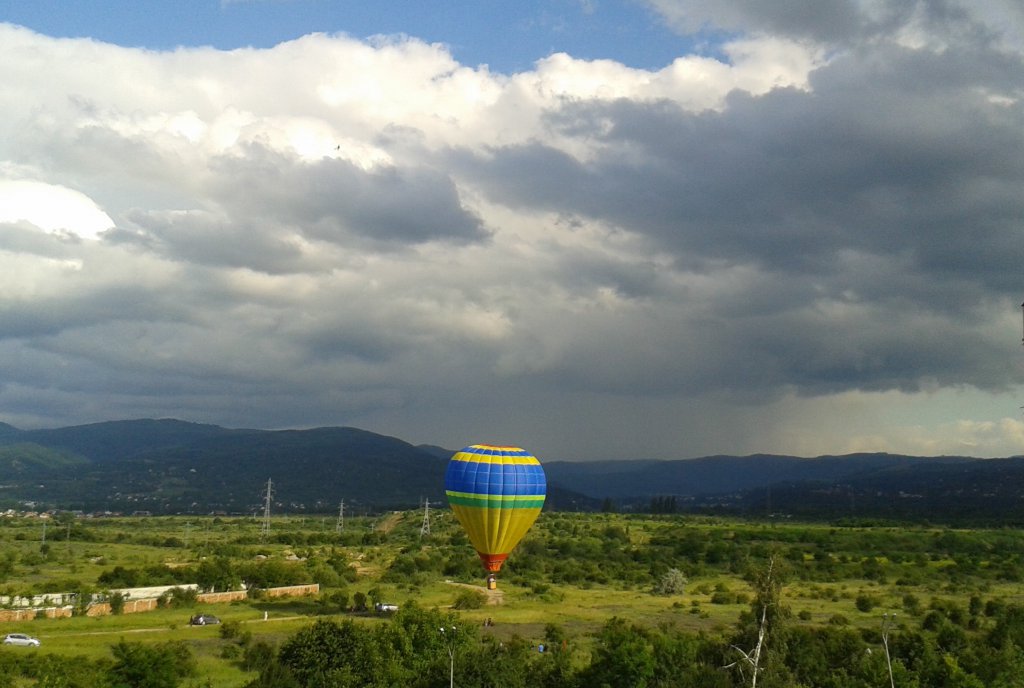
(8, 615)
(98, 609)
(137, 606)
(285, 591)
(293, 591)
(215, 597)
(59, 612)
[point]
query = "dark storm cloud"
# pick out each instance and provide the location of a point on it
(881, 207)
(831, 22)
(206, 239)
(354, 340)
(420, 250)
(335, 200)
(49, 316)
(791, 179)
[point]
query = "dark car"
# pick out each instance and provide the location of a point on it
(204, 620)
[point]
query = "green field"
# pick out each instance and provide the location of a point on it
(575, 571)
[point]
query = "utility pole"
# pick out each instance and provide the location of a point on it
(425, 528)
(340, 525)
(265, 530)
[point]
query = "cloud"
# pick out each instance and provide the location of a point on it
(617, 262)
(52, 208)
(848, 23)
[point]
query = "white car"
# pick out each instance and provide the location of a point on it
(21, 639)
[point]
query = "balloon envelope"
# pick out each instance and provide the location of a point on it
(496, 493)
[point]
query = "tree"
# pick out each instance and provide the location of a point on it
(150, 666)
(329, 654)
(415, 651)
(217, 574)
(663, 505)
(765, 622)
(624, 656)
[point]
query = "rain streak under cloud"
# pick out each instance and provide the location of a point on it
(807, 238)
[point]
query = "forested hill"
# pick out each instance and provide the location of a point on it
(172, 466)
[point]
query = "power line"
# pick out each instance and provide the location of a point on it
(425, 528)
(265, 530)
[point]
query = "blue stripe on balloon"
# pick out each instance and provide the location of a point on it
(495, 479)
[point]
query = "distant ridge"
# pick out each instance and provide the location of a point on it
(174, 466)
(713, 475)
(439, 452)
(119, 439)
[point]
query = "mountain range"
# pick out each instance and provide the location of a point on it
(173, 466)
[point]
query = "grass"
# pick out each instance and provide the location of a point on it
(99, 545)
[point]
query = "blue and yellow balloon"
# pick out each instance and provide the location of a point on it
(496, 493)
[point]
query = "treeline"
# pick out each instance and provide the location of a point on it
(595, 550)
(588, 550)
(412, 650)
(581, 550)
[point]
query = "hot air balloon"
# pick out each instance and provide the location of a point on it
(496, 493)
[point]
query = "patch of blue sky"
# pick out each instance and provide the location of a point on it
(509, 37)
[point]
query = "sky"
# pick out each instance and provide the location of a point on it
(595, 229)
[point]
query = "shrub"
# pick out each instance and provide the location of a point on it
(230, 629)
(116, 601)
(257, 656)
(338, 600)
(178, 597)
(469, 599)
(722, 597)
(911, 604)
(864, 603)
(672, 583)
